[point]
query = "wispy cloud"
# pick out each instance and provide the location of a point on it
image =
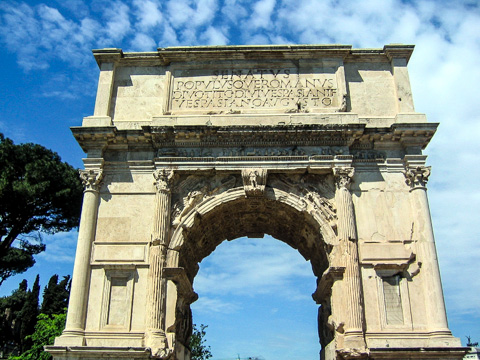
(60, 248)
(255, 266)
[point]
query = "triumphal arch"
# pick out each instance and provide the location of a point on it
(318, 146)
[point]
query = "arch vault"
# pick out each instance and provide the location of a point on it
(318, 146)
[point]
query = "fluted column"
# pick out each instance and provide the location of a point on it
(156, 286)
(75, 325)
(348, 237)
(416, 178)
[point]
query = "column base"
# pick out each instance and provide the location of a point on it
(354, 346)
(71, 338)
(157, 342)
(97, 353)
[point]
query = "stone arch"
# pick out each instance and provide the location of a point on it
(283, 200)
(297, 220)
(202, 155)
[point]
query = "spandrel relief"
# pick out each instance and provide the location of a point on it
(192, 190)
(316, 191)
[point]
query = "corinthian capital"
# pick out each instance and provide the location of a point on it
(163, 179)
(343, 176)
(417, 176)
(91, 179)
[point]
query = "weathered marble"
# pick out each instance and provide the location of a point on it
(317, 145)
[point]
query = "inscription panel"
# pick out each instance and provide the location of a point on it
(254, 89)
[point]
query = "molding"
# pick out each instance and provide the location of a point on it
(180, 54)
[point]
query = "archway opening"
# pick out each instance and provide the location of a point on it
(281, 215)
(255, 297)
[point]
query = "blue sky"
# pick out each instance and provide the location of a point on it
(262, 305)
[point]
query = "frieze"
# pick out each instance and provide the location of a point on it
(368, 154)
(186, 152)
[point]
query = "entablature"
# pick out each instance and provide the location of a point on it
(299, 140)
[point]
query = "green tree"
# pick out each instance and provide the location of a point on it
(48, 327)
(197, 343)
(10, 320)
(27, 317)
(38, 193)
(55, 295)
(18, 316)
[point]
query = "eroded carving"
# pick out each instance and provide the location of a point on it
(343, 106)
(315, 191)
(91, 179)
(417, 177)
(194, 189)
(263, 151)
(254, 181)
(163, 179)
(343, 176)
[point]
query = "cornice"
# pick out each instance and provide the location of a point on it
(155, 137)
(168, 55)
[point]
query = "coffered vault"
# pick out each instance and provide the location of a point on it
(316, 145)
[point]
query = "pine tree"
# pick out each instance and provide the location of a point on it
(28, 315)
(10, 318)
(55, 295)
(38, 193)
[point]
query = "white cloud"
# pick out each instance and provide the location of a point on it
(208, 305)
(117, 22)
(262, 13)
(60, 248)
(148, 14)
(77, 7)
(143, 42)
(179, 12)
(214, 36)
(272, 268)
(169, 36)
(232, 11)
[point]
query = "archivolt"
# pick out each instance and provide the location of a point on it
(295, 220)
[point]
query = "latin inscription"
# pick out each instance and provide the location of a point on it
(254, 89)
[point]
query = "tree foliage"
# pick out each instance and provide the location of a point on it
(19, 313)
(20, 331)
(55, 295)
(48, 327)
(198, 348)
(38, 193)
